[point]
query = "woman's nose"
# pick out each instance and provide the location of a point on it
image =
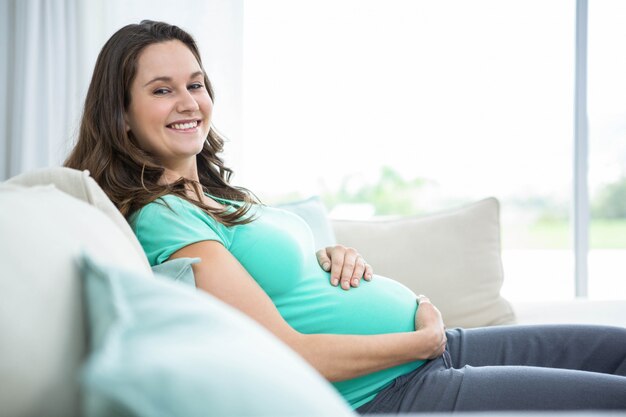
(187, 103)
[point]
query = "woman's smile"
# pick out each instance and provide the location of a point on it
(189, 126)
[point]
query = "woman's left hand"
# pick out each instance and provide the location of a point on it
(346, 266)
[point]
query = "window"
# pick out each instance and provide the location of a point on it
(607, 148)
(409, 107)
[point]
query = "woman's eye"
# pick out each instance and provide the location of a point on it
(161, 91)
(196, 86)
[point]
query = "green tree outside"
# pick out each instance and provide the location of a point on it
(394, 195)
(390, 195)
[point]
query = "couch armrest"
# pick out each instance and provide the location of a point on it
(605, 312)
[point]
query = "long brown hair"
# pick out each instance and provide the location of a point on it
(128, 174)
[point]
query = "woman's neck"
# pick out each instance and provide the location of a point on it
(170, 176)
(177, 169)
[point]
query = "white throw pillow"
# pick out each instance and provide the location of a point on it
(452, 257)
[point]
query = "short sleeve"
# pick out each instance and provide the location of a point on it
(171, 223)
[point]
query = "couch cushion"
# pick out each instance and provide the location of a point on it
(179, 269)
(453, 257)
(163, 348)
(42, 231)
(313, 211)
(80, 185)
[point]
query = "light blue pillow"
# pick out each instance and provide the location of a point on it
(313, 211)
(159, 348)
(178, 269)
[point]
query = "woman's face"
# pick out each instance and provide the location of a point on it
(170, 108)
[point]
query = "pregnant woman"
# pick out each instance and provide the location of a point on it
(146, 137)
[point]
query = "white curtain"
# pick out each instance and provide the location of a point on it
(40, 104)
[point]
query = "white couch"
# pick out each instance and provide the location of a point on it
(454, 257)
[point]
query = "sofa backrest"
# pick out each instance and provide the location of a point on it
(80, 185)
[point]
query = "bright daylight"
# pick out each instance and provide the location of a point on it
(417, 106)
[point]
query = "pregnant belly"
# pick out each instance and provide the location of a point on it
(380, 306)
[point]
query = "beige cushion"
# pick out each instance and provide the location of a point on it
(43, 230)
(452, 257)
(80, 185)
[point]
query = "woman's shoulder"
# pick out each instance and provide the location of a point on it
(165, 208)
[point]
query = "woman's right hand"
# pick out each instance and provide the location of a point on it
(429, 321)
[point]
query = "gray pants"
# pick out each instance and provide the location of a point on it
(554, 367)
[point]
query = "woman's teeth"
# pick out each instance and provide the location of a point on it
(184, 126)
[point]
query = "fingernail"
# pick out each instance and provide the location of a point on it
(345, 285)
(326, 265)
(355, 282)
(334, 281)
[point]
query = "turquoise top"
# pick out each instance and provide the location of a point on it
(277, 250)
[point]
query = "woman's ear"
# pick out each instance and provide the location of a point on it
(126, 125)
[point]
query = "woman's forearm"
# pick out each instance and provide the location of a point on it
(341, 357)
(336, 357)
